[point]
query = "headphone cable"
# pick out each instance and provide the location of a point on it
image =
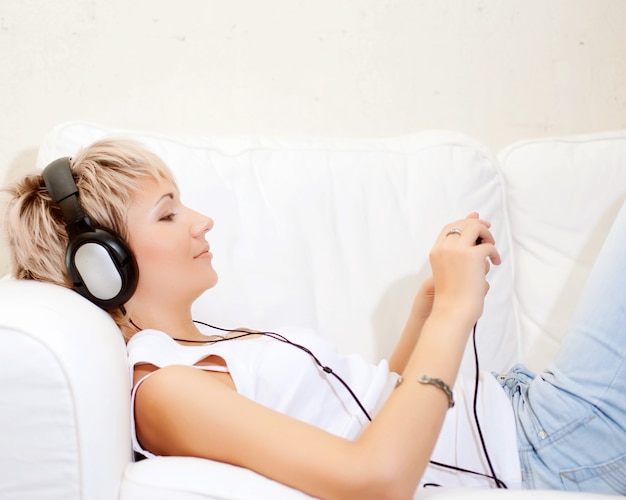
(245, 333)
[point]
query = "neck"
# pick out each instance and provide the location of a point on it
(176, 322)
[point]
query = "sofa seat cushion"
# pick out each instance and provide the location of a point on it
(185, 478)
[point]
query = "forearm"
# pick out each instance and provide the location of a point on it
(406, 343)
(420, 310)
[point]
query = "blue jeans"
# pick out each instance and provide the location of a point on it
(571, 419)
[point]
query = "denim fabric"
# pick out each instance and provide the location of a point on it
(571, 418)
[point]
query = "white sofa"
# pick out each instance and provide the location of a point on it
(331, 234)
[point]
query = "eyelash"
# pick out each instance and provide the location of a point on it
(168, 217)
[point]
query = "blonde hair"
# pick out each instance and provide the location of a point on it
(107, 174)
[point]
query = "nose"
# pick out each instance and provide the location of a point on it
(202, 226)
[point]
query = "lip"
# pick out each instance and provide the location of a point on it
(204, 253)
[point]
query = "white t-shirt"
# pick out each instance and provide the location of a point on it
(271, 373)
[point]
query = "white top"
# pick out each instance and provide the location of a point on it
(270, 372)
(459, 441)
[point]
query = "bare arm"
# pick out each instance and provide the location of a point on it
(420, 310)
(209, 419)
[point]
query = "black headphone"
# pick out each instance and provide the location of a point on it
(99, 263)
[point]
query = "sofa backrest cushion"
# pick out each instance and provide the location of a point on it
(562, 196)
(331, 234)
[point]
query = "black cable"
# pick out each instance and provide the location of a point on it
(281, 338)
(246, 333)
(499, 483)
(497, 480)
(459, 469)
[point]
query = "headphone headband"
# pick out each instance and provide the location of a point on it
(59, 179)
(63, 191)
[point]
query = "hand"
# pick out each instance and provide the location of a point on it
(460, 259)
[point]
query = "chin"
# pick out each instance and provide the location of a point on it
(214, 282)
(199, 284)
(211, 281)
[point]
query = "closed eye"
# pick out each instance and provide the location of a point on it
(168, 217)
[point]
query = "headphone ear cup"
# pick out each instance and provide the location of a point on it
(102, 268)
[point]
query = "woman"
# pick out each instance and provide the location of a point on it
(249, 396)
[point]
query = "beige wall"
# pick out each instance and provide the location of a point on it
(498, 70)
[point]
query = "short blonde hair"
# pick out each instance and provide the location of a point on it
(107, 174)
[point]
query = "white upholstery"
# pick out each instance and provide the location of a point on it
(326, 233)
(64, 389)
(562, 196)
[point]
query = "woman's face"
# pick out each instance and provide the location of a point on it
(168, 241)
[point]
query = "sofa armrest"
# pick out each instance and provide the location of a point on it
(64, 386)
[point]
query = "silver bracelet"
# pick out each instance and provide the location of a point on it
(440, 384)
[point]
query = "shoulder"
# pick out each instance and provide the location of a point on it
(154, 347)
(148, 343)
(174, 400)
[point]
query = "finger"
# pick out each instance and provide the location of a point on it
(474, 230)
(476, 216)
(493, 255)
(485, 235)
(487, 241)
